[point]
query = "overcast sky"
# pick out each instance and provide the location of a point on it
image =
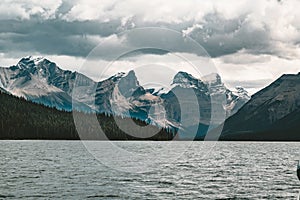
(250, 42)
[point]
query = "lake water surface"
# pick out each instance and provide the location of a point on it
(230, 170)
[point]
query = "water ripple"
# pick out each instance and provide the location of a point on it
(65, 170)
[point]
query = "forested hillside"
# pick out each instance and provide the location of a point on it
(20, 119)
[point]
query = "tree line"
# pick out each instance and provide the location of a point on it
(21, 119)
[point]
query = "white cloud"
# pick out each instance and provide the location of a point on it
(255, 75)
(22, 9)
(222, 27)
(148, 11)
(7, 61)
(243, 57)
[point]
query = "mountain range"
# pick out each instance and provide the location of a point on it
(42, 81)
(273, 113)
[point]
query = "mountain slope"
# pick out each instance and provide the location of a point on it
(273, 109)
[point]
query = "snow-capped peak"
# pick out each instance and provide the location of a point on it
(38, 60)
(241, 92)
(183, 76)
(186, 80)
(30, 61)
(212, 79)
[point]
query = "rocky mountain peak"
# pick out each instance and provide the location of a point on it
(129, 79)
(29, 62)
(38, 65)
(128, 84)
(182, 77)
(26, 63)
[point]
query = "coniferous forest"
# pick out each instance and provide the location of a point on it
(21, 119)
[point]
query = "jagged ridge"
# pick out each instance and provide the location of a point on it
(42, 81)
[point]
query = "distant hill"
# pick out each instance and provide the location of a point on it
(272, 113)
(20, 119)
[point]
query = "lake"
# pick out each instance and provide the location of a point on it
(95, 170)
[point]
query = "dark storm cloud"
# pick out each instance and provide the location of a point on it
(222, 37)
(53, 36)
(59, 27)
(76, 33)
(47, 43)
(150, 40)
(145, 51)
(56, 36)
(217, 36)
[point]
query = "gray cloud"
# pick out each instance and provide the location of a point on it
(60, 27)
(244, 58)
(221, 36)
(53, 36)
(249, 84)
(70, 29)
(75, 38)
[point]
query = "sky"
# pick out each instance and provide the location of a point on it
(249, 43)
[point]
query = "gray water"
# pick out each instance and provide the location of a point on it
(66, 170)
